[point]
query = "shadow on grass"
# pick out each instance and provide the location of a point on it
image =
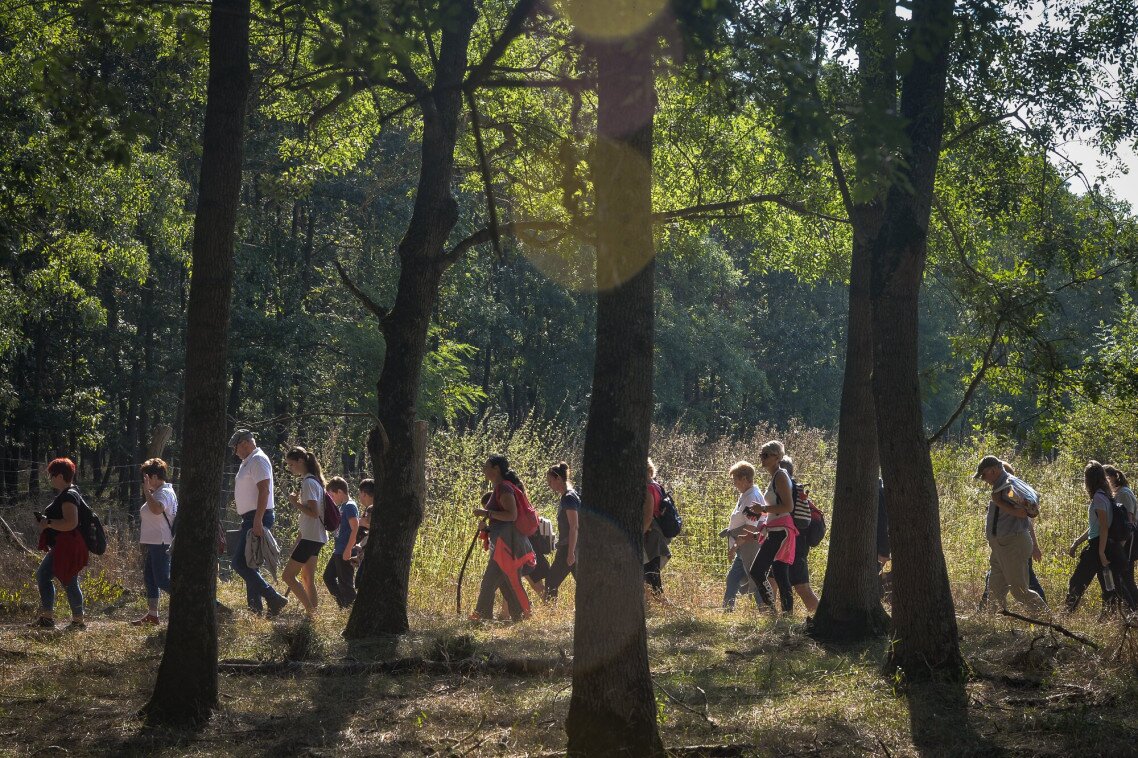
(941, 724)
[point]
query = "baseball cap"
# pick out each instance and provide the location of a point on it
(986, 463)
(239, 436)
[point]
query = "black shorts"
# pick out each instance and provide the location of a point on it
(305, 550)
(800, 569)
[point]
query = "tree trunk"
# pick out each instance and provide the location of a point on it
(381, 605)
(613, 709)
(850, 607)
(186, 688)
(924, 617)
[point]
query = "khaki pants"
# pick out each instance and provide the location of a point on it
(1010, 558)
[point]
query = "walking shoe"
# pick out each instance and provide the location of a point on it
(46, 622)
(148, 620)
(77, 624)
(276, 604)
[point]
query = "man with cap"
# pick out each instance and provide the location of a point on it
(1008, 528)
(253, 495)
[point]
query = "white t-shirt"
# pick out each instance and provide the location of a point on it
(312, 528)
(154, 529)
(256, 468)
(739, 518)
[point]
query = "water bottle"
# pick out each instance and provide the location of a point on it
(1108, 579)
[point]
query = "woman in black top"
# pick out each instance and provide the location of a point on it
(64, 545)
(565, 560)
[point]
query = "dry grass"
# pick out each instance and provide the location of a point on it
(721, 679)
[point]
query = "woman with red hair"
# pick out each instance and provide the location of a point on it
(66, 551)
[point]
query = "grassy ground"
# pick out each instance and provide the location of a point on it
(741, 679)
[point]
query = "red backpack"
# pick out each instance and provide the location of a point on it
(527, 521)
(331, 518)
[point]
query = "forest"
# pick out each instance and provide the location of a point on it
(408, 235)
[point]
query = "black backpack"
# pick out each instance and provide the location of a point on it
(90, 527)
(670, 521)
(1121, 530)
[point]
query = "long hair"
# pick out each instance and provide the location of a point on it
(311, 465)
(1116, 475)
(501, 463)
(1094, 478)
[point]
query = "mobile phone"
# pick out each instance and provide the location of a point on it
(39, 516)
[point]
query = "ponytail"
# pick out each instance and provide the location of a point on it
(512, 477)
(311, 465)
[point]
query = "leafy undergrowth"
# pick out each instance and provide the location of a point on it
(741, 679)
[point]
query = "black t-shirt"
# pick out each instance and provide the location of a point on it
(55, 510)
(570, 501)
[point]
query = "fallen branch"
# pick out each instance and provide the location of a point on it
(1065, 632)
(14, 536)
(491, 665)
(702, 714)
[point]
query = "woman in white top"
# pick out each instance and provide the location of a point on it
(313, 535)
(156, 520)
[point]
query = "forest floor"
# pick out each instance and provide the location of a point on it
(726, 684)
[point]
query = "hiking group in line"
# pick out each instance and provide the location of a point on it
(769, 536)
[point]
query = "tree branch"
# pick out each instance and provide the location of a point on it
(972, 385)
(1056, 627)
(698, 210)
(377, 310)
(514, 23)
(484, 167)
(977, 126)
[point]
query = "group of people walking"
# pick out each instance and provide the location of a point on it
(1108, 555)
(766, 535)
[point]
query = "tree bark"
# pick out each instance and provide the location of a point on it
(850, 607)
(185, 692)
(924, 617)
(613, 708)
(381, 605)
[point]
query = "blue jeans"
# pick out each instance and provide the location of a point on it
(256, 588)
(156, 569)
(46, 583)
(736, 578)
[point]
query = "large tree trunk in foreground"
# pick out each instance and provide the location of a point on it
(850, 607)
(186, 689)
(613, 710)
(924, 617)
(381, 606)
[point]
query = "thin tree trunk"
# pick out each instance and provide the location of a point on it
(924, 617)
(381, 605)
(613, 710)
(186, 688)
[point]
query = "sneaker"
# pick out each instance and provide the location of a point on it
(46, 622)
(147, 620)
(276, 604)
(77, 625)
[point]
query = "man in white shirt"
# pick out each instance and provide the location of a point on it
(253, 496)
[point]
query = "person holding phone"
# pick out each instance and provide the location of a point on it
(155, 534)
